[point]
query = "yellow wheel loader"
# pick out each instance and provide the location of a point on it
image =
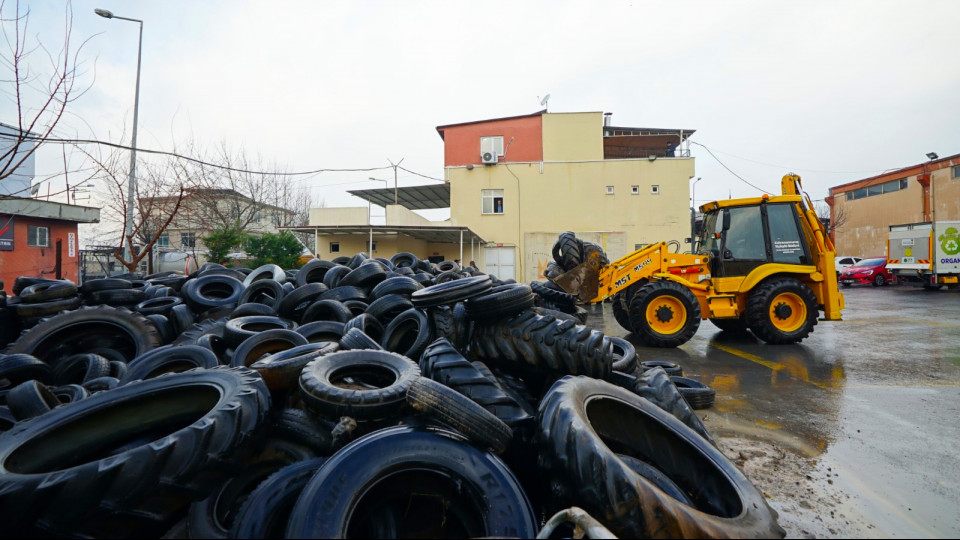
(763, 264)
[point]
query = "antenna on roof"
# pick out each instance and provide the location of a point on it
(544, 101)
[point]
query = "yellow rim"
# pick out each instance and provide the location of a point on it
(788, 312)
(666, 315)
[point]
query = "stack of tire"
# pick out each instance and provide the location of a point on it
(360, 396)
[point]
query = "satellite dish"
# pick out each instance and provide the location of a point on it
(34, 189)
(545, 99)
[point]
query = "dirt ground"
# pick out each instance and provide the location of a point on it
(801, 490)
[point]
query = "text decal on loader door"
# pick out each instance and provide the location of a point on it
(622, 281)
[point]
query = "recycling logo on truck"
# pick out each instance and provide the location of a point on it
(950, 241)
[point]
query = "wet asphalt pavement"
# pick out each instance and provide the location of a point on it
(873, 399)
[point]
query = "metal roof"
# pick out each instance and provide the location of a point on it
(37, 208)
(428, 197)
(448, 235)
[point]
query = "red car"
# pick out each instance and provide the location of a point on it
(871, 270)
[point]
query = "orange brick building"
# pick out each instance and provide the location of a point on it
(39, 239)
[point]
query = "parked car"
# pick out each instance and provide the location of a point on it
(872, 270)
(842, 262)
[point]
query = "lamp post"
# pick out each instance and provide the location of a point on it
(132, 185)
(370, 215)
(932, 156)
(693, 214)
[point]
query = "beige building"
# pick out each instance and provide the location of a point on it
(514, 184)
(863, 211)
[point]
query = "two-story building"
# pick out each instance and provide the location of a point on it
(514, 184)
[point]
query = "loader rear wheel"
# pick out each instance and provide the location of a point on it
(782, 310)
(621, 306)
(664, 314)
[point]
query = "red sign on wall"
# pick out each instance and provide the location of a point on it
(6, 233)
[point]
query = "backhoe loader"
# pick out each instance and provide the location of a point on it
(765, 264)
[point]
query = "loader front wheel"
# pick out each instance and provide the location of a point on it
(782, 310)
(664, 314)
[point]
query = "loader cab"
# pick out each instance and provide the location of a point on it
(742, 237)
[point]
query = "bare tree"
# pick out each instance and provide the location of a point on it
(833, 217)
(39, 81)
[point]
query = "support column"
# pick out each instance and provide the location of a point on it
(316, 243)
(461, 247)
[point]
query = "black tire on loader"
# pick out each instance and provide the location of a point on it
(781, 310)
(664, 314)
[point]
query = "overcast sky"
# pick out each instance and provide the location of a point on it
(835, 91)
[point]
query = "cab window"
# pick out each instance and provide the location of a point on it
(784, 235)
(744, 240)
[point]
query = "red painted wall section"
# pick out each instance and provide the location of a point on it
(462, 143)
(32, 261)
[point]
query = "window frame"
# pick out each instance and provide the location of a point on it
(334, 247)
(193, 239)
(610, 190)
(955, 171)
(635, 189)
(492, 195)
(35, 229)
(494, 142)
(163, 240)
(655, 189)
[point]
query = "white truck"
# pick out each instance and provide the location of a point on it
(926, 254)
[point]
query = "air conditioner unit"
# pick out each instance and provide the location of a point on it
(488, 157)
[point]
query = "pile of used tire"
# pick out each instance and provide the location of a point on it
(355, 397)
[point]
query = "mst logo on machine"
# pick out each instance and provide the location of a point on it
(626, 279)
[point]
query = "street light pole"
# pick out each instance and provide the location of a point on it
(693, 214)
(132, 185)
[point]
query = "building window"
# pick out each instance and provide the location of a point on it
(492, 200)
(334, 247)
(372, 246)
(639, 246)
(256, 216)
(163, 240)
(634, 190)
(188, 239)
(609, 190)
(655, 190)
(877, 189)
(38, 236)
(492, 144)
(956, 171)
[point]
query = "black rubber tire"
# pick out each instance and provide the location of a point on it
(879, 280)
(581, 418)
(668, 295)
(570, 249)
(551, 294)
(181, 319)
(75, 331)
(737, 326)
(138, 452)
(444, 364)
(331, 279)
(104, 284)
(195, 331)
(267, 271)
(7, 420)
(117, 297)
(409, 333)
(697, 394)
(410, 459)
(368, 324)
(18, 368)
(214, 516)
(500, 301)
(313, 272)
(101, 384)
(366, 275)
(326, 310)
(344, 293)
(46, 309)
(621, 310)
(403, 285)
(30, 399)
(451, 291)
(296, 303)
(44, 292)
(265, 291)
(80, 368)
(118, 369)
(158, 306)
(656, 477)
(772, 294)
(169, 359)
(355, 340)
(624, 355)
(238, 330)
(459, 412)
(671, 368)
(281, 370)
(70, 393)
(211, 291)
(357, 260)
(322, 331)
(247, 310)
(356, 307)
(404, 260)
(539, 345)
(264, 343)
(381, 380)
(387, 307)
(266, 510)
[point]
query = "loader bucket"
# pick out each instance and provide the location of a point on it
(582, 280)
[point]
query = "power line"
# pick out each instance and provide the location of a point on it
(793, 168)
(180, 156)
(422, 175)
(728, 169)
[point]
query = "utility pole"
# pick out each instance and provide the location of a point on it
(395, 165)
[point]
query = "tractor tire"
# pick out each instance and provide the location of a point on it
(621, 311)
(781, 310)
(664, 314)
